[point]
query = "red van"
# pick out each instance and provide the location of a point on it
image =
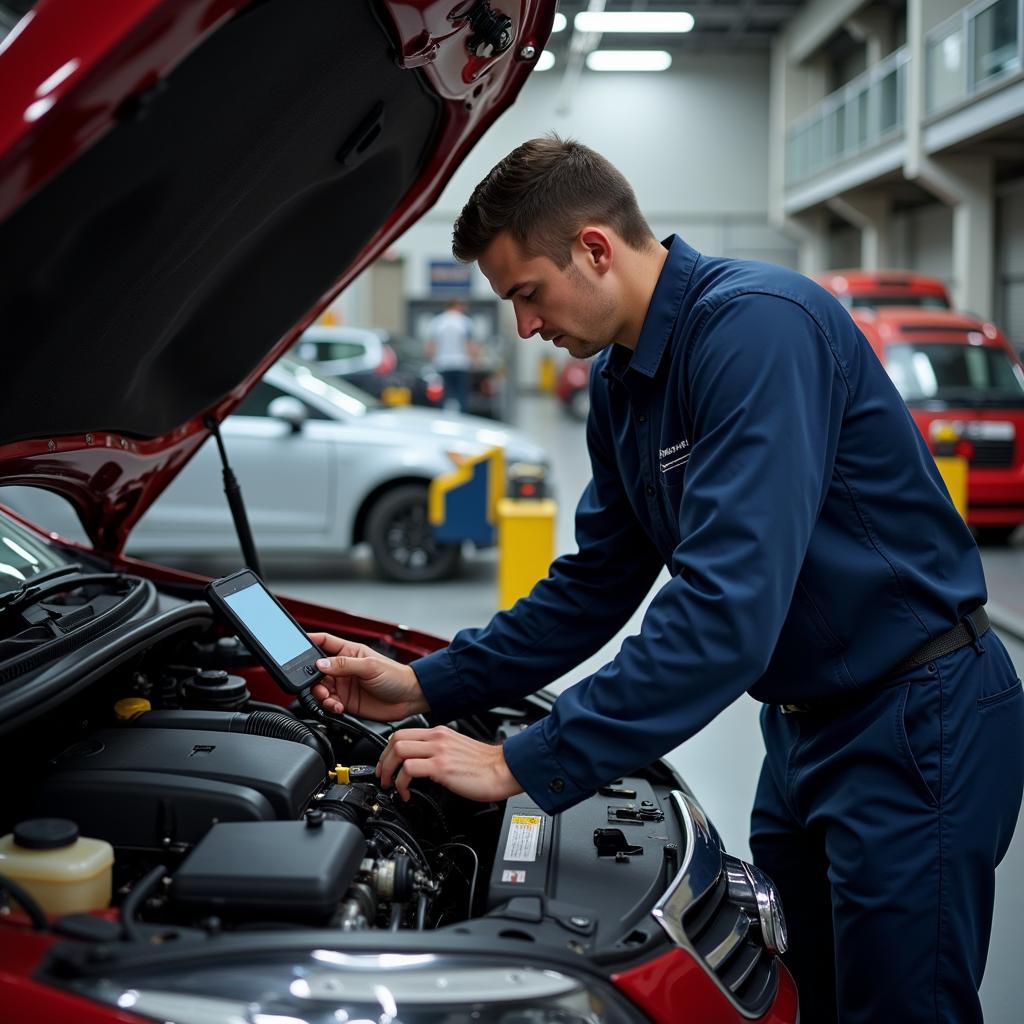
(961, 378)
(876, 288)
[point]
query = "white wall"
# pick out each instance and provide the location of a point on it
(692, 141)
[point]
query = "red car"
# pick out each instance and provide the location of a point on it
(573, 387)
(183, 187)
(963, 383)
(877, 288)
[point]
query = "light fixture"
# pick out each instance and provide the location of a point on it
(559, 23)
(545, 61)
(651, 22)
(629, 60)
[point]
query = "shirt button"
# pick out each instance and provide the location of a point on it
(650, 491)
(556, 785)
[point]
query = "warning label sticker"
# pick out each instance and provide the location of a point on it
(523, 837)
(518, 877)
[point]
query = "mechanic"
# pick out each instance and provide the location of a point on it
(452, 348)
(744, 435)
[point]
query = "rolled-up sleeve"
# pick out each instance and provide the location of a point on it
(766, 396)
(583, 602)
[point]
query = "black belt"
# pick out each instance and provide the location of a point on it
(966, 631)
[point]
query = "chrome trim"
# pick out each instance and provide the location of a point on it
(735, 938)
(698, 873)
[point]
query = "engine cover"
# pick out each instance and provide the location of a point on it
(153, 787)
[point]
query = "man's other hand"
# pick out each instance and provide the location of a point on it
(467, 767)
(362, 682)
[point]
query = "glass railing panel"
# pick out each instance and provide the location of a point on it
(946, 67)
(889, 113)
(867, 111)
(995, 49)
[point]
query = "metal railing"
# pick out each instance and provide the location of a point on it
(976, 48)
(866, 112)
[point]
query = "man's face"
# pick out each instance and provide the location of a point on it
(573, 308)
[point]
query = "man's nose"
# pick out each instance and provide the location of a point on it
(528, 324)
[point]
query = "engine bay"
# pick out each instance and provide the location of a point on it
(231, 807)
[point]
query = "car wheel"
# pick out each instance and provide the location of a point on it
(994, 536)
(402, 542)
(579, 404)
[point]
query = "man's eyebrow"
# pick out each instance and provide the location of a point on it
(514, 289)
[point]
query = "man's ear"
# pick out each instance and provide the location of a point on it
(598, 250)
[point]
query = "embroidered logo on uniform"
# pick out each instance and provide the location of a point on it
(675, 455)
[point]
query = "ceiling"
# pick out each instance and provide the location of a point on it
(720, 26)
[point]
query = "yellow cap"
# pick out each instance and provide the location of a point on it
(340, 774)
(131, 707)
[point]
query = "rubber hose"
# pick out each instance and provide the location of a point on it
(284, 727)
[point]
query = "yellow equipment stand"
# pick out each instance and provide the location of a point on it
(526, 546)
(546, 374)
(396, 396)
(953, 469)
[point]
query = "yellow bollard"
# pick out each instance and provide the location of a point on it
(526, 546)
(546, 374)
(953, 469)
(396, 395)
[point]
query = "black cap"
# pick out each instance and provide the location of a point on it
(45, 833)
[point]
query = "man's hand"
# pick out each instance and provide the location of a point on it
(468, 767)
(363, 682)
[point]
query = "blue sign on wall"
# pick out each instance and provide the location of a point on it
(449, 277)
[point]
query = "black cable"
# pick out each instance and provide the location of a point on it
(265, 705)
(476, 870)
(396, 917)
(405, 836)
(421, 912)
(27, 903)
(131, 906)
(434, 806)
(309, 703)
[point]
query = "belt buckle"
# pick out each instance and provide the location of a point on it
(793, 709)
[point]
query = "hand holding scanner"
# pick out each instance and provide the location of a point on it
(273, 636)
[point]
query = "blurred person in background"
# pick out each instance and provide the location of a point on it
(452, 348)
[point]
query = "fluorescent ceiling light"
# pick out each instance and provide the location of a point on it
(629, 60)
(652, 22)
(559, 24)
(545, 61)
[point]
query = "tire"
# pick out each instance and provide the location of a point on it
(994, 536)
(403, 546)
(579, 403)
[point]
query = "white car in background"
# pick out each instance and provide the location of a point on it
(322, 467)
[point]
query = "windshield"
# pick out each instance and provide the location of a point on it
(951, 372)
(332, 391)
(23, 555)
(903, 299)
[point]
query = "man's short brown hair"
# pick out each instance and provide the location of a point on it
(542, 193)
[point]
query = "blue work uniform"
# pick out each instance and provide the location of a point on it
(754, 444)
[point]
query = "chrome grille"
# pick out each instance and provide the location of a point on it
(703, 914)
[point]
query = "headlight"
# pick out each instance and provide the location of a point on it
(329, 987)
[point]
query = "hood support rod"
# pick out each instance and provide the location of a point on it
(235, 502)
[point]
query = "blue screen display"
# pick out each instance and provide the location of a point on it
(278, 634)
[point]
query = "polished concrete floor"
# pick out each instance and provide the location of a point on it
(721, 763)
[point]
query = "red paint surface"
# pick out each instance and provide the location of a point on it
(674, 987)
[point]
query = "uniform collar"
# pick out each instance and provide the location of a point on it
(661, 317)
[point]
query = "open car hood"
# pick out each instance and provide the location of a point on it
(185, 185)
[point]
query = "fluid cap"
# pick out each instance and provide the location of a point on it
(45, 833)
(131, 707)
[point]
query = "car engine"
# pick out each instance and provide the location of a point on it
(129, 714)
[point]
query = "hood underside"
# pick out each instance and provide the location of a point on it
(159, 272)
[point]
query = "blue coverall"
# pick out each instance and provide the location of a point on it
(754, 445)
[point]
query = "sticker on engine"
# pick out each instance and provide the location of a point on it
(518, 877)
(523, 837)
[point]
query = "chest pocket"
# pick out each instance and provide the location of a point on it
(672, 464)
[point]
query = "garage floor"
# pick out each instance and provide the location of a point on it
(721, 764)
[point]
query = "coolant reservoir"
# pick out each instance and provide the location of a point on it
(63, 871)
